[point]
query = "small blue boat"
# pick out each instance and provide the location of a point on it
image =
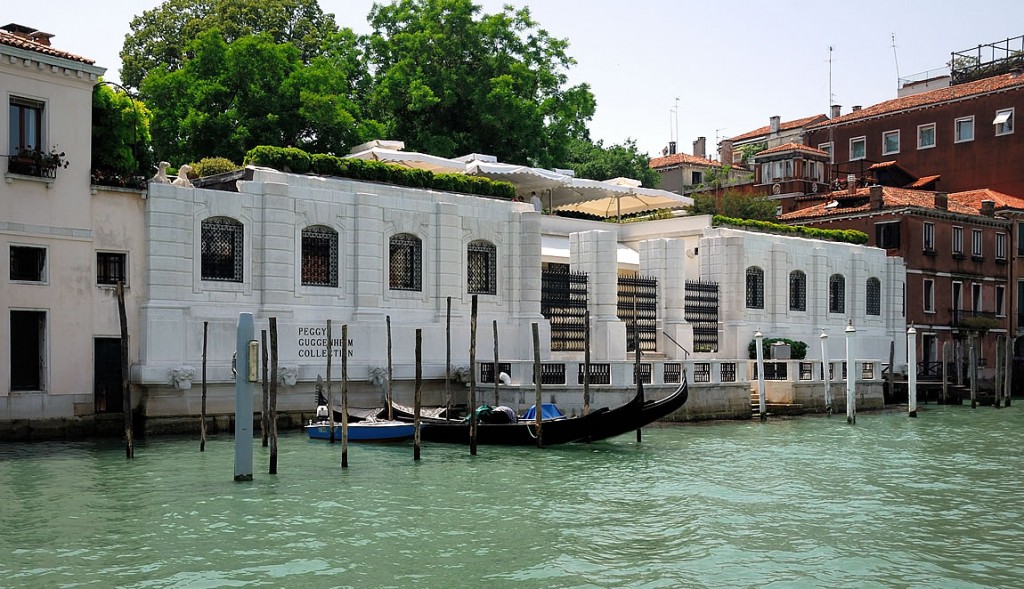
(364, 431)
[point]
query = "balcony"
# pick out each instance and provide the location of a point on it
(974, 320)
(36, 163)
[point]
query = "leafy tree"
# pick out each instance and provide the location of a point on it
(450, 81)
(748, 151)
(228, 98)
(160, 37)
(120, 134)
(731, 203)
(595, 161)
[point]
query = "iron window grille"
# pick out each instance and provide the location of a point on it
(873, 297)
(646, 373)
(481, 268)
(806, 370)
(563, 301)
(837, 294)
(406, 262)
(599, 374)
(672, 372)
(221, 245)
(702, 372)
(553, 373)
(755, 288)
(797, 291)
(28, 264)
(701, 311)
(637, 307)
(319, 256)
(728, 371)
(487, 371)
(111, 268)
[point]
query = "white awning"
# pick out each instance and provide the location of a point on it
(411, 159)
(554, 246)
(1002, 117)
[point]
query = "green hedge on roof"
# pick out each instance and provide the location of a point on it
(841, 235)
(295, 160)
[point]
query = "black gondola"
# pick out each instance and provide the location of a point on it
(597, 425)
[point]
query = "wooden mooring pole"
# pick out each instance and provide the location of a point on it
(265, 404)
(344, 396)
(1008, 375)
(997, 383)
(911, 371)
(945, 372)
(272, 417)
(126, 391)
(472, 378)
(390, 400)
(586, 363)
(202, 409)
(538, 403)
(972, 368)
(496, 370)
(330, 394)
(636, 367)
(417, 396)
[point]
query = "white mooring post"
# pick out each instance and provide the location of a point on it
(758, 338)
(851, 377)
(245, 376)
(825, 376)
(911, 371)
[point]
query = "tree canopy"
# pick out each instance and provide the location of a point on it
(120, 135)
(597, 162)
(730, 203)
(450, 82)
(160, 37)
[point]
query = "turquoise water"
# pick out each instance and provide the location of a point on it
(811, 502)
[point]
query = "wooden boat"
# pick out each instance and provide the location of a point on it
(364, 431)
(601, 424)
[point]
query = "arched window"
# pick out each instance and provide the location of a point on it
(405, 262)
(873, 297)
(755, 288)
(319, 256)
(836, 294)
(797, 291)
(481, 266)
(221, 249)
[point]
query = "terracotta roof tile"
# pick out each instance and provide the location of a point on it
(682, 158)
(974, 198)
(920, 182)
(27, 44)
(793, 147)
(964, 203)
(923, 99)
(786, 126)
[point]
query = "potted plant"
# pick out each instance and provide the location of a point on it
(36, 162)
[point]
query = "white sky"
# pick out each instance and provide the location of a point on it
(731, 65)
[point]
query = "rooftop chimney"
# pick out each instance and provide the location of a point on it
(988, 208)
(851, 184)
(942, 200)
(671, 147)
(856, 108)
(29, 33)
(774, 124)
(876, 199)
(699, 149)
(725, 152)
(836, 110)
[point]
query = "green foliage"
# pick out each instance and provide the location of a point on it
(748, 151)
(228, 98)
(731, 203)
(120, 137)
(595, 161)
(797, 349)
(208, 166)
(450, 80)
(296, 160)
(159, 37)
(840, 235)
(979, 323)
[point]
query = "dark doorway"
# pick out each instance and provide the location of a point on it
(28, 346)
(107, 375)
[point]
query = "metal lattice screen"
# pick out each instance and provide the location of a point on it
(405, 262)
(221, 249)
(481, 270)
(563, 301)
(319, 256)
(701, 311)
(638, 308)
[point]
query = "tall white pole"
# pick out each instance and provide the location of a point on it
(911, 371)
(758, 338)
(851, 377)
(825, 376)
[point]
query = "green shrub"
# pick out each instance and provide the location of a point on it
(208, 166)
(839, 235)
(797, 349)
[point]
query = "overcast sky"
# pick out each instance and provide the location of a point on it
(730, 65)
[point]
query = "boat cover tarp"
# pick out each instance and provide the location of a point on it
(548, 411)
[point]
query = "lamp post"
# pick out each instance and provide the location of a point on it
(825, 376)
(758, 338)
(851, 398)
(911, 371)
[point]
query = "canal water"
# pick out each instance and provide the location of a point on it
(809, 502)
